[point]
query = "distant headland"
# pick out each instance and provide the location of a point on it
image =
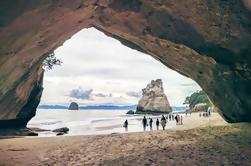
(89, 107)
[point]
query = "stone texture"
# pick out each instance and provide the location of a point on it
(208, 41)
(153, 99)
(199, 107)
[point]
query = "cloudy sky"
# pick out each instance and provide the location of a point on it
(98, 69)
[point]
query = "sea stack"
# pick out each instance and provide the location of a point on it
(153, 99)
(73, 106)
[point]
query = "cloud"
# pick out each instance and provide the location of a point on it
(81, 94)
(103, 95)
(134, 94)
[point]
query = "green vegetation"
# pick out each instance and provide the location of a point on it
(196, 98)
(51, 61)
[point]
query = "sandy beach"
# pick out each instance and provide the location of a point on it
(200, 141)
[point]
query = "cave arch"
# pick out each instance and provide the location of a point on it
(206, 41)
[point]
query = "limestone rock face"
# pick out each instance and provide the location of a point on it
(200, 107)
(154, 99)
(207, 41)
(73, 106)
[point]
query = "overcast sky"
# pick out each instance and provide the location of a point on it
(98, 69)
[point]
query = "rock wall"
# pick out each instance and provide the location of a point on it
(206, 40)
(153, 99)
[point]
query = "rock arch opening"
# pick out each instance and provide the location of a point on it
(100, 73)
(103, 67)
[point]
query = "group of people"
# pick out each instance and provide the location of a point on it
(205, 114)
(163, 121)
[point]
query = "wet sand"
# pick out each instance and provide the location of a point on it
(200, 141)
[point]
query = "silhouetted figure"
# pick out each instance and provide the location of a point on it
(176, 118)
(163, 122)
(144, 121)
(181, 120)
(151, 123)
(170, 117)
(157, 124)
(209, 112)
(126, 125)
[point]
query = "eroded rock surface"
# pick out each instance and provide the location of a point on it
(208, 41)
(153, 99)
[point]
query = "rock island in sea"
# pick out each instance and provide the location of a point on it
(73, 106)
(153, 99)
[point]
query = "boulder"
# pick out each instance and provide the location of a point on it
(130, 112)
(32, 134)
(17, 132)
(200, 107)
(60, 133)
(73, 106)
(61, 130)
(153, 99)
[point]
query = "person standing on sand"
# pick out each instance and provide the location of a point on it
(126, 125)
(157, 124)
(163, 122)
(151, 123)
(144, 122)
(170, 117)
(176, 118)
(181, 120)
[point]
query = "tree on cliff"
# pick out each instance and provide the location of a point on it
(196, 98)
(51, 61)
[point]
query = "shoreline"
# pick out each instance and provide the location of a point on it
(188, 121)
(210, 142)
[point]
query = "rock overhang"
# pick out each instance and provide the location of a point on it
(207, 41)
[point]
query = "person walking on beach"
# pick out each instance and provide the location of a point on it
(209, 111)
(176, 118)
(151, 123)
(157, 124)
(163, 122)
(181, 120)
(170, 117)
(144, 121)
(126, 125)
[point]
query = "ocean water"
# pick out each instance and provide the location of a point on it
(89, 122)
